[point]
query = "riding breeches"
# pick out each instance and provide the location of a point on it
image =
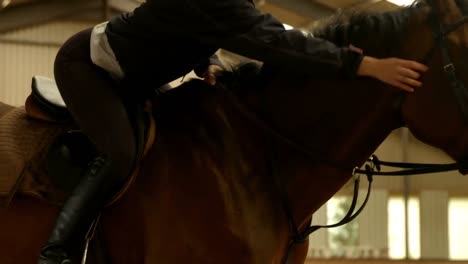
(93, 101)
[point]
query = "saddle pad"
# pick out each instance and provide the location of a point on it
(24, 145)
(23, 148)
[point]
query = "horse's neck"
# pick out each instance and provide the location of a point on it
(341, 122)
(350, 120)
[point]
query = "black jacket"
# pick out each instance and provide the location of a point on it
(165, 39)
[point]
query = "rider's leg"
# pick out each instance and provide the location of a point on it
(89, 93)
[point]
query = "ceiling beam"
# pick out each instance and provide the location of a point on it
(105, 10)
(305, 8)
(124, 5)
(284, 15)
(8, 3)
(27, 15)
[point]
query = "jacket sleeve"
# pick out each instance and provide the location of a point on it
(202, 66)
(237, 26)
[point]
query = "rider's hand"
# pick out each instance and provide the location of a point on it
(210, 74)
(403, 74)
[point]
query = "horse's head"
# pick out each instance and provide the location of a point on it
(438, 112)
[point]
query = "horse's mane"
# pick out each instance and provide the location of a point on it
(344, 28)
(377, 33)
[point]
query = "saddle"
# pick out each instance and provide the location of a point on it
(43, 155)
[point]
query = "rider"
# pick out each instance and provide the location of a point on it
(158, 42)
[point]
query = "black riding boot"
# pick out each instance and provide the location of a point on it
(81, 207)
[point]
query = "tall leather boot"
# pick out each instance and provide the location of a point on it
(80, 209)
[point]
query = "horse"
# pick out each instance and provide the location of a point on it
(235, 167)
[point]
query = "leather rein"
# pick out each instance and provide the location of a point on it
(374, 165)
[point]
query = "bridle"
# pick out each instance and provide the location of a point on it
(457, 86)
(373, 166)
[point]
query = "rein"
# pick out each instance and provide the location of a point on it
(374, 165)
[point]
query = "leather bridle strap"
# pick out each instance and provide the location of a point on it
(458, 87)
(412, 168)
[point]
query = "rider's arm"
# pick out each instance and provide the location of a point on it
(202, 67)
(237, 26)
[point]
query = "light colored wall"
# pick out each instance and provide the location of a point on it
(29, 52)
(373, 225)
(434, 225)
(19, 63)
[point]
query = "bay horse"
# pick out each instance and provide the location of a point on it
(214, 186)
